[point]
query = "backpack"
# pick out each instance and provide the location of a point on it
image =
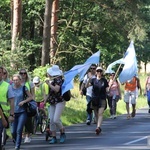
(67, 95)
(31, 106)
(83, 89)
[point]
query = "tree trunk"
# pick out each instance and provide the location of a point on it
(54, 26)
(11, 8)
(46, 33)
(17, 24)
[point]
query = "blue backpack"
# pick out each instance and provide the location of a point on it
(31, 106)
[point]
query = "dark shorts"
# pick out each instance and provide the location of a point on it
(103, 104)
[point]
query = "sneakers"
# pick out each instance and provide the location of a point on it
(27, 140)
(98, 131)
(113, 117)
(53, 140)
(62, 137)
(88, 122)
(16, 148)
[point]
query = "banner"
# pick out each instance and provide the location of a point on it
(79, 69)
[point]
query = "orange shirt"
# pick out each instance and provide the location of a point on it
(131, 86)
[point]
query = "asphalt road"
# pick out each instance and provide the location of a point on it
(118, 134)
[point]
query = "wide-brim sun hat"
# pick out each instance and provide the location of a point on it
(54, 71)
(36, 79)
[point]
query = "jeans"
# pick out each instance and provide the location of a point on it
(17, 127)
(89, 109)
(55, 114)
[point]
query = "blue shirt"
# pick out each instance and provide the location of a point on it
(18, 93)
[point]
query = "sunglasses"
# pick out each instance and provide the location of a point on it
(36, 83)
(93, 68)
(99, 71)
(23, 73)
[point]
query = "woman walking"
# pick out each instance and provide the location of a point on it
(25, 80)
(57, 103)
(19, 110)
(114, 95)
(99, 93)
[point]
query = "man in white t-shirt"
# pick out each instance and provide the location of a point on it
(91, 73)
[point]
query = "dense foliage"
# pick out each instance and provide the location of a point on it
(84, 27)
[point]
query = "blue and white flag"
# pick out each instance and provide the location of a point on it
(94, 59)
(79, 69)
(109, 68)
(130, 65)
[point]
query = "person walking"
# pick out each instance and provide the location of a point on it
(39, 94)
(91, 74)
(99, 94)
(6, 133)
(113, 95)
(25, 80)
(130, 94)
(57, 103)
(6, 102)
(19, 110)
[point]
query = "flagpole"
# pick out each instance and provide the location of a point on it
(117, 72)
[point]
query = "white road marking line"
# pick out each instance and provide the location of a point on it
(134, 141)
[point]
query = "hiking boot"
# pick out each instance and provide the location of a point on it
(62, 137)
(88, 122)
(98, 131)
(53, 140)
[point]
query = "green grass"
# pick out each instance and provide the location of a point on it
(75, 110)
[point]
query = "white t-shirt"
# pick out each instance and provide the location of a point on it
(90, 88)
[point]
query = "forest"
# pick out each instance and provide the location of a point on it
(36, 33)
